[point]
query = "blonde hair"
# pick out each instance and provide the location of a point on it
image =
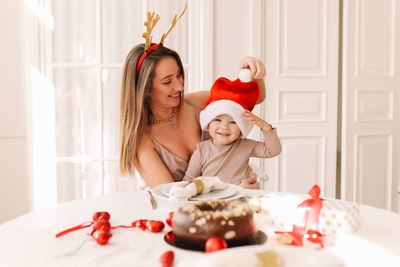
(135, 112)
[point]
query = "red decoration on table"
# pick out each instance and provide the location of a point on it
(313, 208)
(215, 243)
(167, 258)
(101, 215)
(101, 236)
(101, 224)
(80, 226)
(311, 220)
(140, 223)
(100, 221)
(153, 226)
(170, 236)
(169, 218)
(315, 237)
(101, 227)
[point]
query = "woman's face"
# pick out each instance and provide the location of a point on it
(223, 130)
(167, 84)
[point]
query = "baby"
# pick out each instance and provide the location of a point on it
(228, 119)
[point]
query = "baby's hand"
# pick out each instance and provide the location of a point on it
(253, 119)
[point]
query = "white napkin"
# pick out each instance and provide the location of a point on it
(187, 189)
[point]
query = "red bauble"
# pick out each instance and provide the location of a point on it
(140, 223)
(101, 236)
(155, 226)
(167, 258)
(101, 215)
(168, 220)
(102, 224)
(105, 215)
(170, 237)
(314, 236)
(215, 243)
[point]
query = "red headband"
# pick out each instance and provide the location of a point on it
(145, 55)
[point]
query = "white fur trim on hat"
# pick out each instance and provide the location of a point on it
(229, 107)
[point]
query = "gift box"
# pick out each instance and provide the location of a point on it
(334, 217)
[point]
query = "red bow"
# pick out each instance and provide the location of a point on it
(309, 228)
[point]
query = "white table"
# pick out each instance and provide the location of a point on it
(29, 240)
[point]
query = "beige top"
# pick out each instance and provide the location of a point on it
(231, 162)
(175, 165)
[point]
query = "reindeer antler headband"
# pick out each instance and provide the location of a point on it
(150, 23)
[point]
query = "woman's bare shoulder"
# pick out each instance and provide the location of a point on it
(198, 98)
(146, 143)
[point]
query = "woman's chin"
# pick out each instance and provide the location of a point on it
(175, 101)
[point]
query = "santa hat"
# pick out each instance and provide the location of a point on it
(232, 98)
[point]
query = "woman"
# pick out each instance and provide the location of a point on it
(159, 125)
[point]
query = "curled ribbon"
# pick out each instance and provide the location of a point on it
(80, 226)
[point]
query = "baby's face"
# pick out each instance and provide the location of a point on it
(224, 130)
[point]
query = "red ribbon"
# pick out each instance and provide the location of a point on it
(313, 208)
(80, 226)
(311, 219)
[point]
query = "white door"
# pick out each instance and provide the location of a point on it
(302, 92)
(371, 99)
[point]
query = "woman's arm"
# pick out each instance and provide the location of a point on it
(271, 146)
(150, 166)
(257, 69)
(250, 183)
(198, 98)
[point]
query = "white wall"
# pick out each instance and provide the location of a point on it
(15, 189)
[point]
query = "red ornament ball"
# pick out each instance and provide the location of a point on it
(167, 258)
(155, 226)
(215, 243)
(101, 236)
(314, 236)
(170, 237)
(101, 215)
(102, 224)
(168, 220)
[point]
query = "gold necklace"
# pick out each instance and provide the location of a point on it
(171, 119)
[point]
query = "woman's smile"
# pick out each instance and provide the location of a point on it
(175, 95)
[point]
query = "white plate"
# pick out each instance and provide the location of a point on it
(231, 192)
(217, 194)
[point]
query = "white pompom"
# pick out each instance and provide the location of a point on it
(245, 75)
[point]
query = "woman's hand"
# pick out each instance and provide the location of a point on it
(258, 72)
(255, 65)
(250, 183)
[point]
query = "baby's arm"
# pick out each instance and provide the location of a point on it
(253, 119)
(195, 165)
(271, 146)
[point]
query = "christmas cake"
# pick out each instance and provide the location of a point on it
(195, 222)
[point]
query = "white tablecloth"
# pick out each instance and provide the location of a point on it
(29, 240)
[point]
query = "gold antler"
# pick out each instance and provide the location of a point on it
(150, 23)
(174, 20)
